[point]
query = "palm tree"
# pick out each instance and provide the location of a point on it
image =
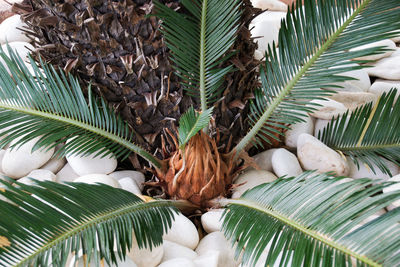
(323, 227)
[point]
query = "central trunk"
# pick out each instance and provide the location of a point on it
(198, 173)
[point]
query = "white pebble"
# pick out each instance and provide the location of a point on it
(365, 171)
(54, 165)
(383, 86)
(394, 187)
(66, 174)
(178, 262)
(387, 44)
(2, 153)
(9, 31)
(320, 125)
(361, 83)
(271, 5)
(285, 163)
(174, 250)
(145, 257)
(135, 175)
(265, 29)
(20, 161)
(386, 68)
(120, 263)
(353, 100)
(295, 130)
(98, 178)
(216, 241)
(211, 220)
(130, 185)
(40, 175)
(183, 232)
(264, 159)
(208, 259)
(328, 109)
(83, 165)
(23, 49)
(250, 179)
(315, 155)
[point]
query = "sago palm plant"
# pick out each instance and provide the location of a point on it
(310, 220)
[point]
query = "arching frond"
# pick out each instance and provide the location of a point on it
(199, 41)
(315, 220)
(52, 106)
(369, 133)
(314, 44)
(191, 123)
(40, 225)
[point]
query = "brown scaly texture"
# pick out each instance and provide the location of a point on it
(113, 45)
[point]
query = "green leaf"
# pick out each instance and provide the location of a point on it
(199, 41)
(52, 106)
(315, 220)
(191, 123)
(44, 223)
(368, 134)
(314, 44)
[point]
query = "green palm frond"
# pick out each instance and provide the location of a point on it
(198, 42)
(53, 107)
(40, 225)
(313, 52)
(369, 133)
(191, 123)
(315, 220)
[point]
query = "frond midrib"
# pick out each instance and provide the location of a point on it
(299, 227)
(124, 142)
(366, 147)
(203, 97)
(94, 221)
(286, 91)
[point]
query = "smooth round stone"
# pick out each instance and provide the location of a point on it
(54, 165)
(2, 153)
(361, 83)
(174, 250)
(98, 178)
(250, 179)
(40, 175)
(394, 187)
(209, 259)
(328, 109)
(145, 257)
(183, 232)
(285, 163)
(178, 262)
(66, 174)
(138, 177)
(387, 44)
(265, 29)
(211, 220)
(120, 263)
(384, 86)
(319, 126)
(271, 5)
(83, 165)
(353, 100)
(264, 159)
(23, 49)
(364, 171)
(9, 31)
(216, 241)
(20, 161)
(315, 155)
(386, 68)
(297, 129)
(130, 185)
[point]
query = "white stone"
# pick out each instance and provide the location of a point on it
(10, 30)
(54, 165)
(174, 250)
(2, 153)
(387, 44)
(264, 159)
(353, 100)
(208, 259)
(396, 38)
(361, 84)
(394, 187)
(328, 109)
(386, 68)
(271, 5)
(20, 161)
(40, 175)
(98, 178)
(138, 177)
(315, 155)
(83, 165)
(120, 263)
(23, 49)
(285, 163)
(145, 257)
(183, 232)
(295, 130)
(320, 125)
(265, 29)
(250, 179)
(211, 220)
(66, 174)
(178, 262)
(216, 241)
(365, 171)
(130, 185)
(383, 86)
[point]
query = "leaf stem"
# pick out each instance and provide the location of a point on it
(203, 98)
